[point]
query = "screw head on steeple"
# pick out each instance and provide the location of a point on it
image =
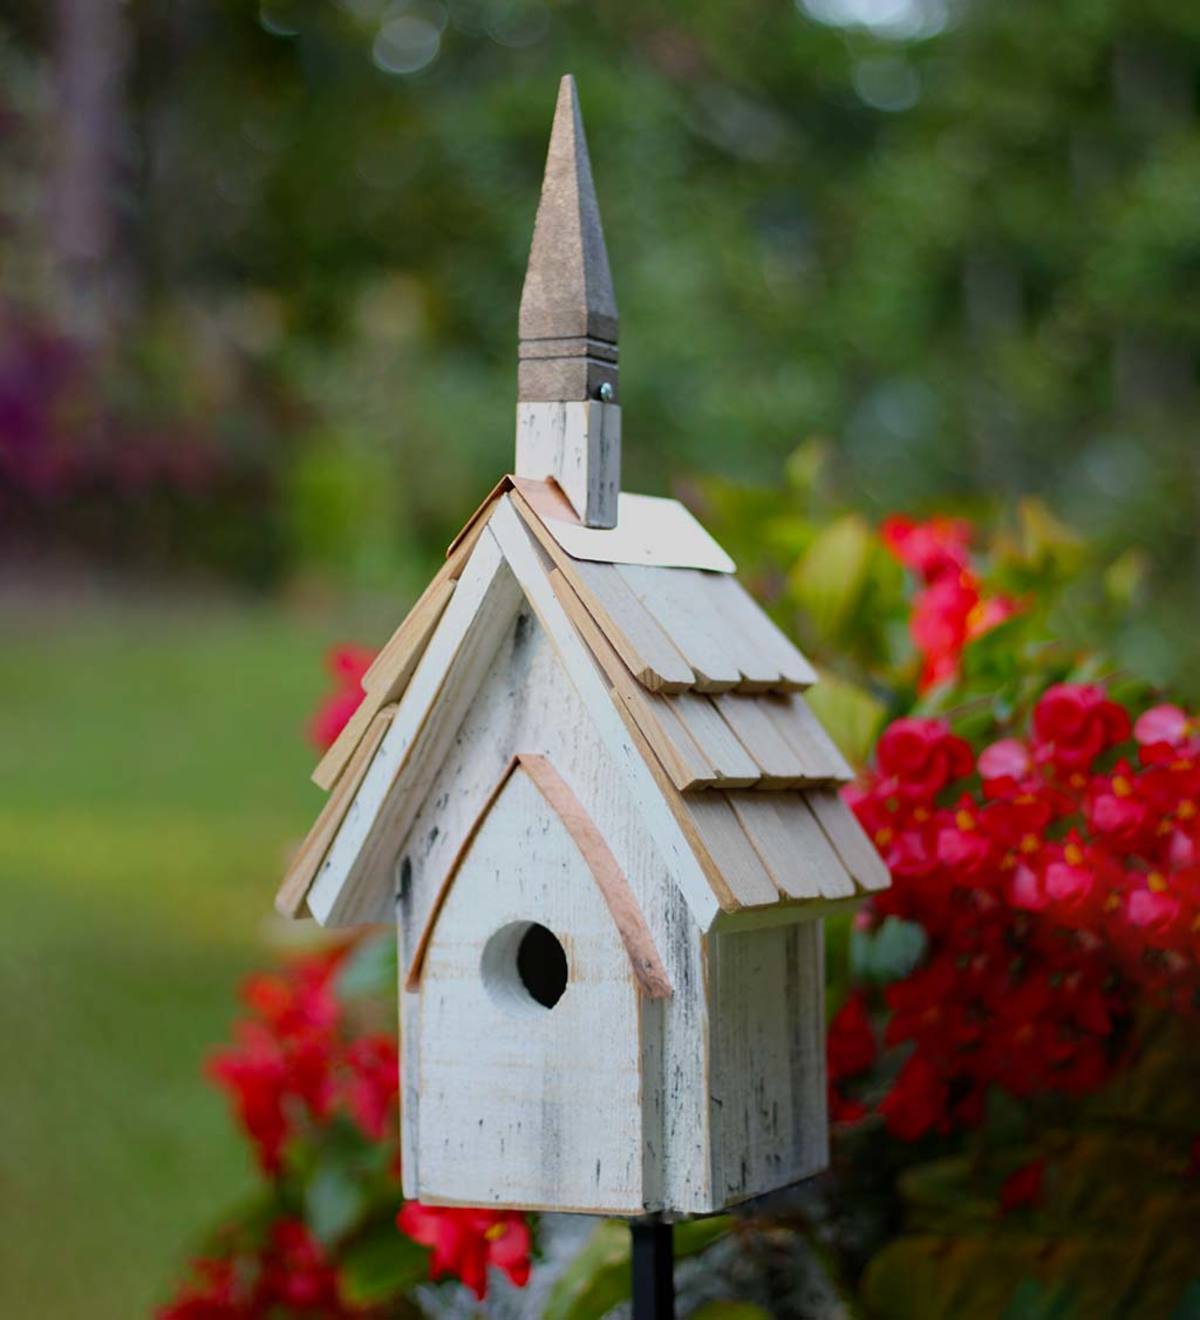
(568, 320)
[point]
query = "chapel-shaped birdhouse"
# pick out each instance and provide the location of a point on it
(586, 786)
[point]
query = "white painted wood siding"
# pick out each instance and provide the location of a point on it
(520, 1104)
(767, 994)
(527, 703)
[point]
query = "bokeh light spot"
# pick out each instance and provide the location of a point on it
(406, 44)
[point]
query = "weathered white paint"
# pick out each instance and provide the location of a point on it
(761, 645)
(530, 571)
(527, 703)
(520, 1104)
(793, 847)
(506, 672)
(356, 881)
(578, 445)
(766, 995)
(849, 839)
(656, 532)
(677, 600)
(388, 676)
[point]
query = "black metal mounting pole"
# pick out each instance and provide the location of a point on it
(653, 1270)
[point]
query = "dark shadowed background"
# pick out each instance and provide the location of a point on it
(259, 272)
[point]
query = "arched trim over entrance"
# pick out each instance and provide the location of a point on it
(610, 879)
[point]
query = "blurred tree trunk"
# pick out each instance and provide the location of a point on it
(90, 56)
(1153, 94)
(1154, 377)
(992, 302)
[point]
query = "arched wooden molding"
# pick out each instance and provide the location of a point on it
(610, 879)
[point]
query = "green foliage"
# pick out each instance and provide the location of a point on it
(382, 1266)
(598, 1278)
(888, 953)
(960, 250)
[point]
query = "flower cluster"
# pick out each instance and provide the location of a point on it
(298, 1066)
(294, 1064)
(290, 1274)
(950, 609)
(1054, 875)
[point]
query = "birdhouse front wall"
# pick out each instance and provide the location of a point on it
(527, 704)
(530, 1034)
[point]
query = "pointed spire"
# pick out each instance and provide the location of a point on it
(568, 322)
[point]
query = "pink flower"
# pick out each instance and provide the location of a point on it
(1007, 759)
(1162, 724)
(347, 665)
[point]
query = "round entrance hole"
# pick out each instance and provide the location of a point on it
(524, 967)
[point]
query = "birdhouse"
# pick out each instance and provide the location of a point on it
(585, 785)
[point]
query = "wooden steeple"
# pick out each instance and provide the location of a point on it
(568, 419)
(568, 318)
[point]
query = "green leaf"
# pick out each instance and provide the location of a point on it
(695, 1235)
(382, 1265)
(829, 578)
(889, 953)
(1036, 1301)
(1189, 1303)
(850, 715)
(334, 1199)
(371, 970)
(599, 1277)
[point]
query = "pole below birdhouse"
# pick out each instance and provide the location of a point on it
(653, 1270)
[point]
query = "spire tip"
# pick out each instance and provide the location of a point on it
(568, 320)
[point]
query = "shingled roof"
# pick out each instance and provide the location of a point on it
(709, 689)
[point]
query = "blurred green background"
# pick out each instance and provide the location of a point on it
(259, 271)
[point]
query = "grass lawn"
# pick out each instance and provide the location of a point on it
(152, 774)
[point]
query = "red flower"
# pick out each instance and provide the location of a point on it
(923, 756)
(1023, 1187)
(850, 1041)
(290, 1274)
(347, 665)
(465, 1242)
(989, 614)
(939, 623)
(963, 848)
(933, 548)
(917, 1101)
(283, 1061)
(212, 1295)
(374, 1083)
(296, 1274)
(1075, 722)
(254, 1072)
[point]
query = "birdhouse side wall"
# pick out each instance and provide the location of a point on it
(526, 703)
(769, 1124)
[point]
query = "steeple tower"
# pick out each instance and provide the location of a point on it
(568, 419)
